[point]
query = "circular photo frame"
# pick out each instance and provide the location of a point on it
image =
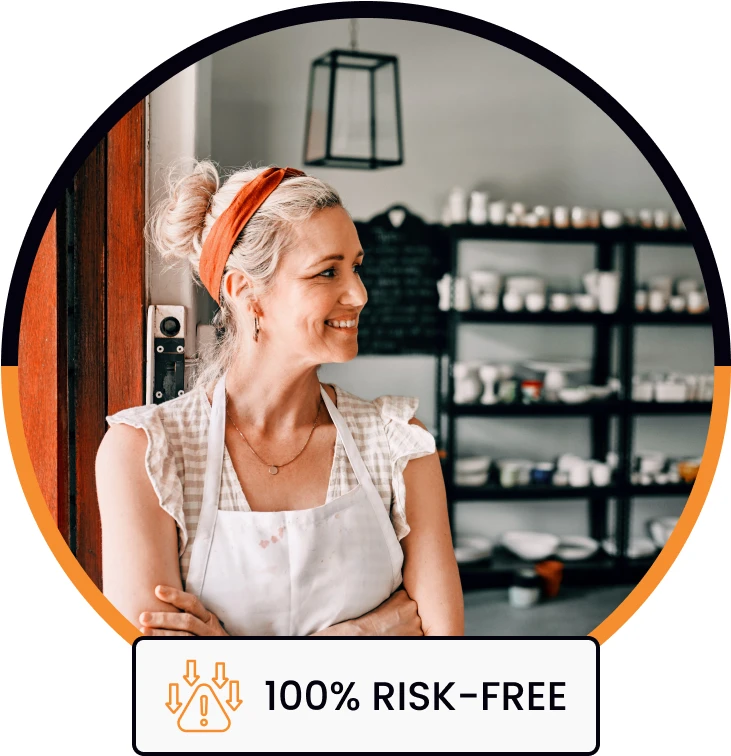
(46, 478)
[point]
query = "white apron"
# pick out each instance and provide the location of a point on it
(292, 572)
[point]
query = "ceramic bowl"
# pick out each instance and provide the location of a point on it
(572, 548)
(688, 469)
(599, 392)
(471, 479)
(472, 465)
(637, 547)
(525, 284)
(574, 395)
(660, 528)
(529, 545)
(472, 548)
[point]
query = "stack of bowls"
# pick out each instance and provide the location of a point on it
(471, 471)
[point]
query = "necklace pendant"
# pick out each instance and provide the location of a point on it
(273, 469)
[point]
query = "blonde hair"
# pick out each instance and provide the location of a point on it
(192, 202)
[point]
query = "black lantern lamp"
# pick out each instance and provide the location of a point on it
(354, 110)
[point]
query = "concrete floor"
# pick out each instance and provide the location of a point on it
(575, 611)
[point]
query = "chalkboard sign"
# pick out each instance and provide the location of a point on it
(400, 271)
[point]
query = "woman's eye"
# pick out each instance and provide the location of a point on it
(332, 270)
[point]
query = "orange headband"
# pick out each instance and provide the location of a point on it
(227, 227)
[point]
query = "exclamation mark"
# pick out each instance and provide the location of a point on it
(204, 710)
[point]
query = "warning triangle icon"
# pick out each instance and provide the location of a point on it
(204, 712)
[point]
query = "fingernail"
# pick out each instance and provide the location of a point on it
(162, 589)
(145, 617)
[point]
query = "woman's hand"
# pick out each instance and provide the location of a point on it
(192, 619)
(397, 615)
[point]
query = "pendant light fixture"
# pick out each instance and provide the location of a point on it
(354, 109)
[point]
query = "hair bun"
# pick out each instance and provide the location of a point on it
(178, 219)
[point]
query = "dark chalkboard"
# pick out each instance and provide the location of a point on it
(400, 271)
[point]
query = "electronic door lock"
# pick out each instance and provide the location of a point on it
(165, 353)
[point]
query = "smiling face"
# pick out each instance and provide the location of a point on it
(316, 289)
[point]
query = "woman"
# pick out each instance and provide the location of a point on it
(211, 504)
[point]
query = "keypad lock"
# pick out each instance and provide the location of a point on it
(166, 353)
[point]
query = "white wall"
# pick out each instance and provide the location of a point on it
(474, 114)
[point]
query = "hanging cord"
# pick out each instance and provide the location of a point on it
(353, 25)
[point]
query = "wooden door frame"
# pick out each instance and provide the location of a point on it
(88, 287)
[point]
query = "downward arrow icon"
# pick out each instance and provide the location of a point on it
(233, 695)
(173, 701)
(190, 676)
(220, 679)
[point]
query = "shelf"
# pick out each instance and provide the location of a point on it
(465, 231)
(552, 409)
(535, 492)
(672, 318)
(494, 492)
(664, 489)
(576, 317)
(670, 408)
(615, 249)
(498, 570)
(583, 409)
(547, 317)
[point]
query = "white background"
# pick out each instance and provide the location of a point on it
(256, 728)
(67, 675)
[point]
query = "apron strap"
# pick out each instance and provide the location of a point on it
(211, 490)
(365, 480)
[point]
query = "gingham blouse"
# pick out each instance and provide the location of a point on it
(177, 435)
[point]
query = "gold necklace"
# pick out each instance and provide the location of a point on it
(274, 469)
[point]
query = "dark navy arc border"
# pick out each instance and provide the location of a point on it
(373, 638)
(343, 10)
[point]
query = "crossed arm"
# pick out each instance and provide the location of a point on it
(141, 572)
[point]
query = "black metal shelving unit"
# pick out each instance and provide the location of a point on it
(613, 249)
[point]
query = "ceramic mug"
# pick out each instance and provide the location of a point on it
(543, 214)
(661, 218)
(488, 301)
(458, 205)
(645, 218)
(611, 219)
(579, 217)
(608, 291)
(657, 301)
(601, 474)
(535, 301)
(462, 300)
(512, 301)
(677, 303)
(560, 302)
(478, 208)
(696, 302)
(585, 302)
(497, 212)
(641, 299)
(561, 217)
(579, 475)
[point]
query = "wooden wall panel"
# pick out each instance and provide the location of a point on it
(42, 373)
(90, 352)
(126, 261)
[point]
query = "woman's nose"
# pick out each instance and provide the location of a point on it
(355, 293)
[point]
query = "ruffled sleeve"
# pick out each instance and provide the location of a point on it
(159, 463)
(406, 441)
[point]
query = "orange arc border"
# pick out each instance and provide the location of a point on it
(604, 631)
(19, 449)
(691, 510)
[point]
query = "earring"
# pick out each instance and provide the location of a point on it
(256, 328)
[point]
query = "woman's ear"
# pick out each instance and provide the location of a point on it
(235, 284)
